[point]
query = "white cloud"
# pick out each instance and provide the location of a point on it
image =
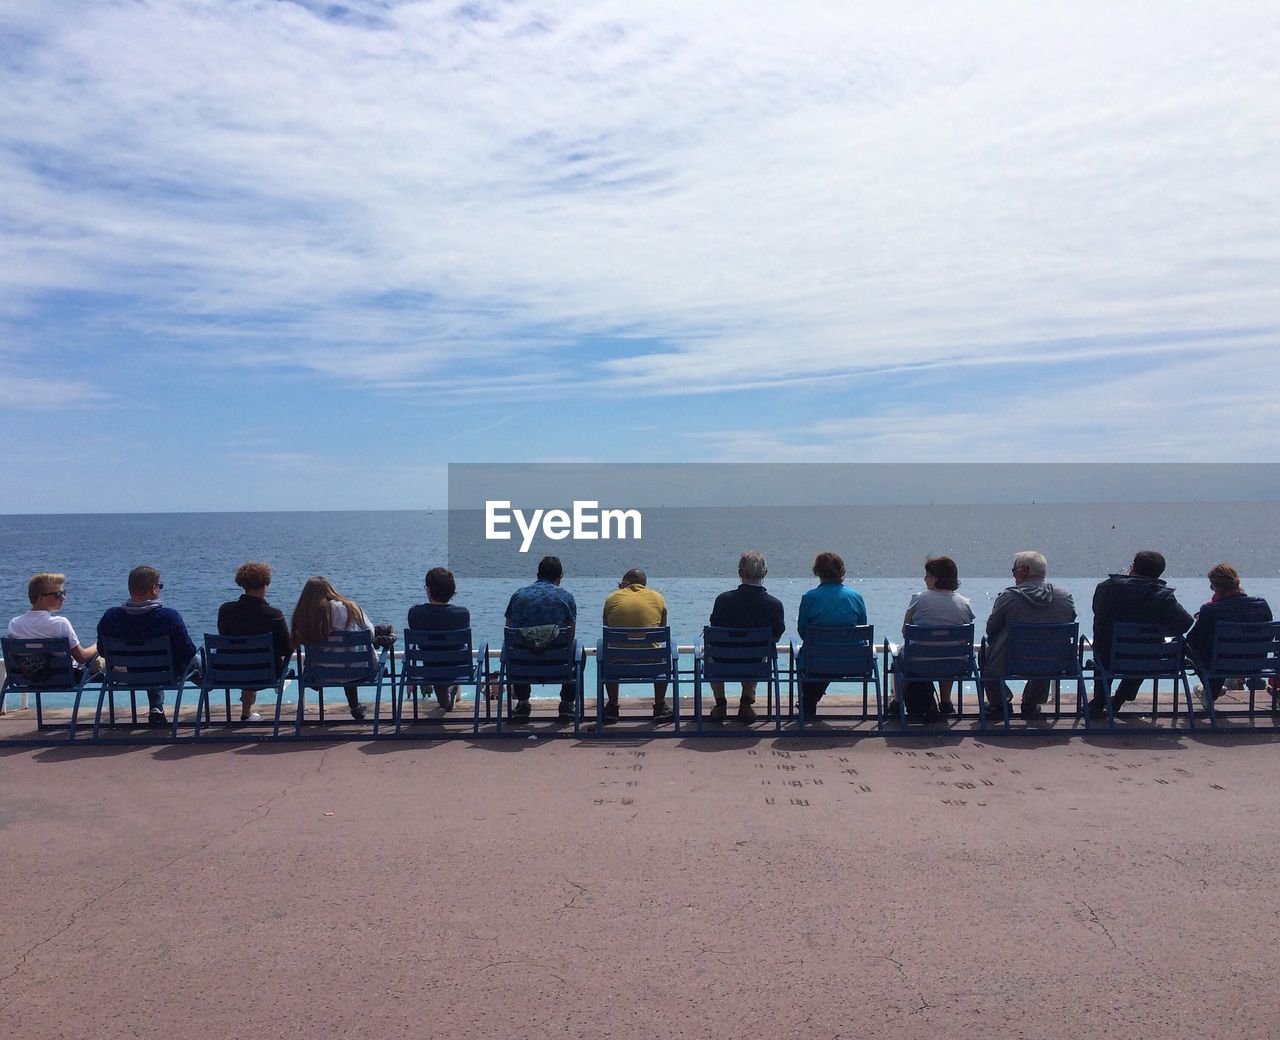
(770, 191)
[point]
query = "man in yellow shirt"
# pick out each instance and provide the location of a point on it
(635, 605)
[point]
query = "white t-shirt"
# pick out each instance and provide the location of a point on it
(939, 607)
(40, 624)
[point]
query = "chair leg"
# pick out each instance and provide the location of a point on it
(697, 701)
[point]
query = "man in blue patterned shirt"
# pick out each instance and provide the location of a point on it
(537, 606)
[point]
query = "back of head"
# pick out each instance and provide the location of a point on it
(142, 580)
(550, 569)
(635, 576)
(752, 566)
(43, 583)
(311, 620)
(440, 584)
(1224, 578)
(828, 566)
(945, 573)
(253, 576)
(1148, 563)
(1037, 566)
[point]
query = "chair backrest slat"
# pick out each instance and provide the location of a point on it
(1245, 649)
(737, 654)
(244, 661)
(1043, 651)
(553, 663)
(634, 654)
(938, 651)
(437, 658)
(138, 663)
(44, 664)
(344, 659)
(839, 652)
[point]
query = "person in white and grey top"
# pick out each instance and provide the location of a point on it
(939, 604)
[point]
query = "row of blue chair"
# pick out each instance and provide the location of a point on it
(845, 654)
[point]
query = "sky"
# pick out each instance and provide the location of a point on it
(304, 255)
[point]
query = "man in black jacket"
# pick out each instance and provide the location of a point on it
(1139, 597)
(747, 606)
(252, 615)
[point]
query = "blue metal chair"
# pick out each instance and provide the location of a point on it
(1041, 651)
(344, 659)
(563, 660)
(636, 655)
(441, 659)
(1247, 650)
(936, 653)
(243, 663)
(736, 655)
(1143, 652)
(141, 664)
(839, 653)
(40, 666)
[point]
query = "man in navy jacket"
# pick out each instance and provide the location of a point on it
(143, 616)
(1139, 597)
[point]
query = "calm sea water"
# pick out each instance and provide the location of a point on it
(379, 558)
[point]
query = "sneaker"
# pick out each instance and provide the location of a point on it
(1031, 711)
(156, 717)
(946, 708)
(253, 716)
(746, 714)
(567, 713)
(611, 710)
(663, 710)
(893, 707)
(994, 711)
(720, 712)
(1205, 701)
(357, 712)
(1097, 710)
(521, 710)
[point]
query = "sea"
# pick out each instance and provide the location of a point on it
(380, 558)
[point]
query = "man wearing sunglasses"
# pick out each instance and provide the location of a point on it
(143, 616)
(47, 592)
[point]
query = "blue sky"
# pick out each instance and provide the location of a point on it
(263, 255)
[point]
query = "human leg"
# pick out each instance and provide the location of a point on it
(811, 692)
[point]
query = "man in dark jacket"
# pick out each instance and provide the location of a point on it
(1032, 600)
(143, 616)
(252, 615)
(1229, 603)
(747, 606)
(1139, 597)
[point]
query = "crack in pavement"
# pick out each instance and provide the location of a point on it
(1095, 919)
(261, 811)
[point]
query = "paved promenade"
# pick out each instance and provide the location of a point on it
(909, 887)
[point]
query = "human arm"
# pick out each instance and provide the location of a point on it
(998, 619)
(84, 654)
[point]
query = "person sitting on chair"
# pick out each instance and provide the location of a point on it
(833, 603)
(1139, 597)
(939, 604)
(544, 603)
(46, 593)
(747, 606)
(635, 605)
(1030, 600)
(252, 615)
(143, 616)
(320, 612)
(439, 615)
(1228, 603)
